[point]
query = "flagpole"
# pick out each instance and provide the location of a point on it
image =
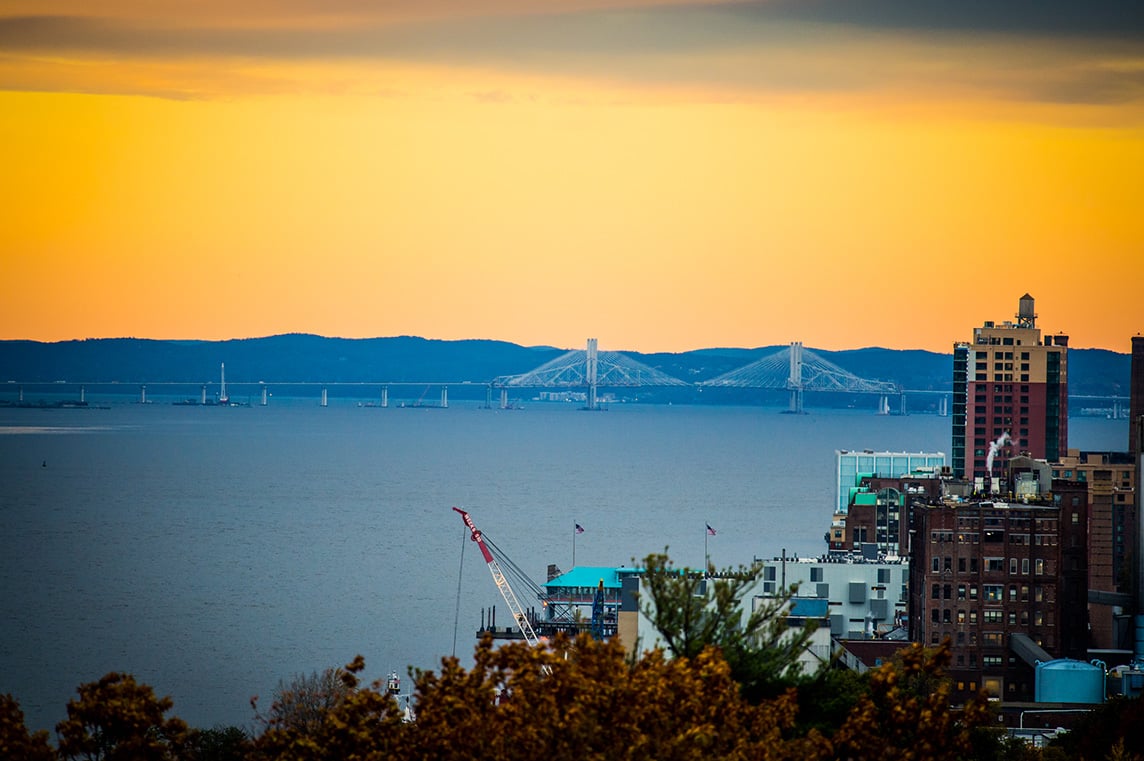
(574, 544)
(706, 557)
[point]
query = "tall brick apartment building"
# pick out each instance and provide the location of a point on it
(1010, 394)
(1006, 583)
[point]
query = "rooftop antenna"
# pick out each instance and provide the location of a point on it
(222, 397)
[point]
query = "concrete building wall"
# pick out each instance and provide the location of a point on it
(865, 599)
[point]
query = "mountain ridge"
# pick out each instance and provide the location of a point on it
(308, 358)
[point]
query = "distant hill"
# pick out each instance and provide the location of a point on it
(308, 358)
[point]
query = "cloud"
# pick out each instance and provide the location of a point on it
(1051, 52)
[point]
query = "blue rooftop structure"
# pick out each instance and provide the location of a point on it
(809, 607)
(589, 576)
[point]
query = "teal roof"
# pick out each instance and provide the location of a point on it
(589, 576)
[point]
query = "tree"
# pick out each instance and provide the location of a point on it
(906, 714)
(116, 718)
(347, 721)
(303, 703)
(692, 610)
(585, 700)
(1095, 735)
(217, 744)
(15, 740)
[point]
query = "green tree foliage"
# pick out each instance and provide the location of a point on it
(827, 698)
(691, 611)
(15, 740)
(1096, 734)
(116, 718)
(217, 744)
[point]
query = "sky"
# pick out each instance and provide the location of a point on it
(662, 176)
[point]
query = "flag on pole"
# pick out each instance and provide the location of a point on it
(710, 531)
(579, 529)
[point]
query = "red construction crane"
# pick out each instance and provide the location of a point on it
(501, 582)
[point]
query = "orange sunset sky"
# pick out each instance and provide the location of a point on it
(663, 176)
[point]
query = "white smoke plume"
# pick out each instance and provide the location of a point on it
(994, 447)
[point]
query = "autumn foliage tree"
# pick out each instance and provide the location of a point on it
(116, 718)
(580, 700)
(357, 722)
(906, 714)
(15, 740)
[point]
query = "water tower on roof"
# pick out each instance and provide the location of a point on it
(1026, 317)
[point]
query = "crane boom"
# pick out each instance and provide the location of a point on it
(502, 583)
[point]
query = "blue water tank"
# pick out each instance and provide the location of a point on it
(1067, 681)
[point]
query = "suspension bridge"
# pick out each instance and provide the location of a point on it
(793, 369)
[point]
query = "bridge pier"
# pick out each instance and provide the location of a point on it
(902, 404)
(264, 395)
(20, 395)
(82, 395)
(325, 397)
(796, 401)
(943, 407)
(143, 394)
(203, 394)
(444, 397)
(385, 396)
(504, 398)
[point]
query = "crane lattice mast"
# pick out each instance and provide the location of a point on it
(501, 582)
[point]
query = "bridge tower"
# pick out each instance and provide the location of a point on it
(591, 368)
(794, 382)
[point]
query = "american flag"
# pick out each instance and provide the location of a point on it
(710, 530)
(579, 529)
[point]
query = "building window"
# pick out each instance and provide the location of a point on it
(1025, 566)
(960, 617)
(936, 565)
(1039, 593)
(815, 574)
(947, 591)
(1040, 566)
(1013, 566)
(994, 565)
(961, 591)
(994, 592)
(936, 591)
(991, 617)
